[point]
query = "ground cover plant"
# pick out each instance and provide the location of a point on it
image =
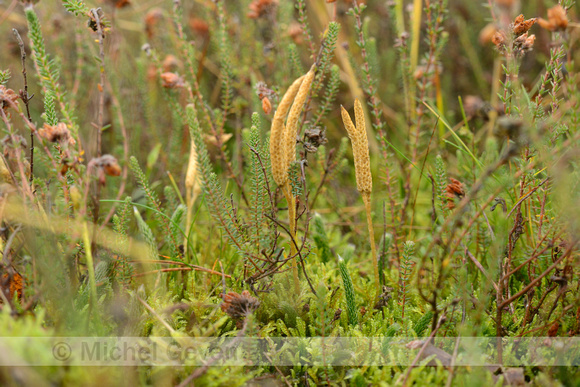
(402, 170)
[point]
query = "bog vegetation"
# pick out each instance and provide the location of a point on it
(282, 168)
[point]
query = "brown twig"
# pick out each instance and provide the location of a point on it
(26, 99)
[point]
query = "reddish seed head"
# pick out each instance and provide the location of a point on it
(266, 105)
(171, 80)
(6, 97)
(199, 26)
(57, 133)
(259, 8)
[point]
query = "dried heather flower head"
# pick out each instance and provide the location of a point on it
(266, 105)
(499, 40)
(487, 33)
(7, 96)
(199, 26)
(259, 8)
(57, 133)
(454, 190)
(263, 91)
(106, 165)
(295, 33)
(172, 80)
(521, 26)
(110, 165)
(238, 306)
(151, 19)
(315, 137)
(557, 19)
(524, 43)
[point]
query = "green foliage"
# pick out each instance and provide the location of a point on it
(321, 314)
(155, 204)
(441, 184)
(4, 76)
(349, 294)
(77, 7)
(47, 68)
(406, 271)
(321, 239)
(326, 54)
(147, 234)
(422, 324)
(220, 209)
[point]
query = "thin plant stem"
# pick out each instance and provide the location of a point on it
(367, 200)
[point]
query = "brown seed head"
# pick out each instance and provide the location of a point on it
(106, 165)
(7, 97)
(238, 306)
(259, 8)
(152, 18)
(521, 26)
(557, 19)
(172, 80)
(199, 26)
(109, 164)
(295, 32)
(453, 191)
(499, 39)
(57, 133)
(266, 105)
(524, 43)
(487, 33)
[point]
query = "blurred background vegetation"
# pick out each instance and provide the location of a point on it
(475, 177)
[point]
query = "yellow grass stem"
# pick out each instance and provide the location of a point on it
(416, 38)
(400, 16)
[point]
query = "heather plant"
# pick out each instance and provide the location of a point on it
(190, 170)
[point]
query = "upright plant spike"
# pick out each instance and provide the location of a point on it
(294, 116)
(290, 156)
(348, 292)
(277, 135)
(362, 166)
(406, 270)
(441, 184)
(283, 147)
